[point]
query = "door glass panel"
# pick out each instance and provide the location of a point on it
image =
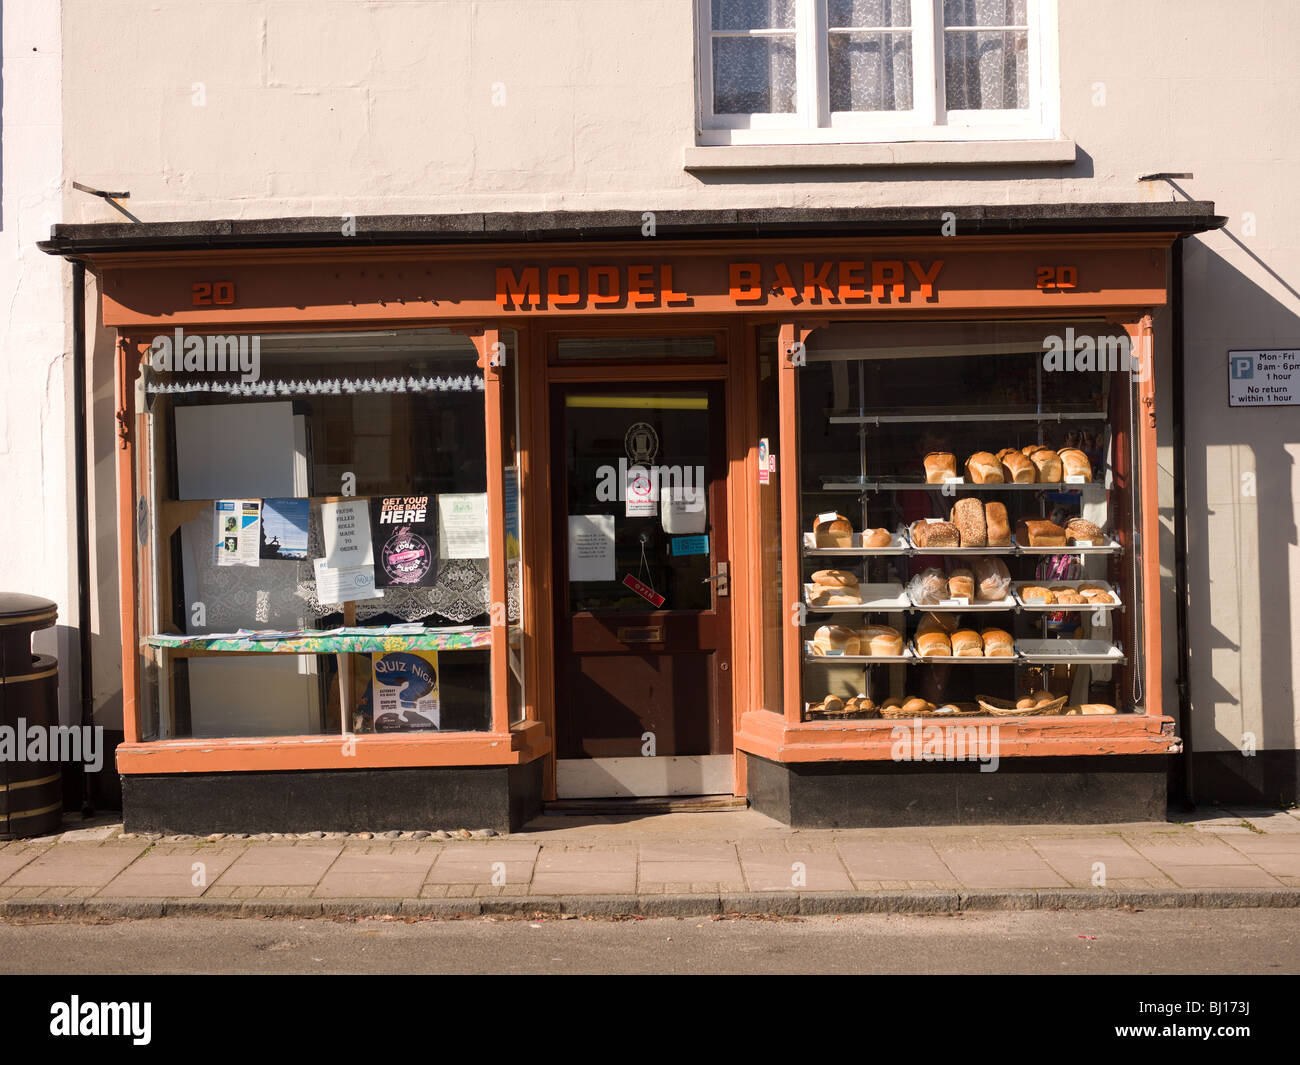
(638, 474)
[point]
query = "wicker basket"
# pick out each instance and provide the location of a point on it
(1005, 708)
(897, 712)
(974, 711)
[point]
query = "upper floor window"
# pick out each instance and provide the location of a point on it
(818, 71)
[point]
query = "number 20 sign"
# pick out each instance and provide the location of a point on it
(212, 293)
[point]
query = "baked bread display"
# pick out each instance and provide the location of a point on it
(967, 643)
(1036, 532)
(939, 467)
(917, 705)
(1075, 463)
(935, 534)
(1017, 469)
(928, 587)
(1066, 596)
(1089, 709)
(983, 467)
(832, 530)
(961, 584)
(835, 639)
(877, 538)
(1034, 592)
(996, 524)
(968, 516)
(1048, 464)
(997, 643)
(835, 578)
(883, 640)
(934, 644)
(836, 597)
(1077, 529)
(992, 579)
(1094, 593)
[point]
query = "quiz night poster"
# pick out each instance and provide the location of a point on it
(404, 691)
(405, 534)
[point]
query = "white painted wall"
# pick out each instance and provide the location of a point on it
(262, 108)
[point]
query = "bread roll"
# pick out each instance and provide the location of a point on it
(1036, 532)
(891, 703)
(1019, 470)
(939, 466)
(934, 644)
(1031, 592)
(983, 467)
(1048, 464)
(992, 579)
(1075, 463)
(1027, 703)
(832, 530)
(880, 640)
(931, 622)
(961, 584)
(968, 516)
(835, 639)
(917, 705)
(877, 538)
(835, 578)
(998, 643)
(935, 534)
(1090, 709)
(997, 525)
(1077, 529)
(967, 643)
(835, 597)
(1067, 596)
(928, 587)
(833, 704)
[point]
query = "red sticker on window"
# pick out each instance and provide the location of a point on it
(644, 591)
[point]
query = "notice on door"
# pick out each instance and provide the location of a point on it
(1264, 378)
(346, 527)
(591, 547)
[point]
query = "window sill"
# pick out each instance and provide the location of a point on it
(903, 153)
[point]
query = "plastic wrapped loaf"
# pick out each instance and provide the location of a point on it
(928, 587)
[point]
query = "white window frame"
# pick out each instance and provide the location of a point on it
(813, 123)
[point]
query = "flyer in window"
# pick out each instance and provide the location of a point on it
(346, 528)
(404, 687)
(238, 531)
(284, 529)
(463, 525)
(405, 533)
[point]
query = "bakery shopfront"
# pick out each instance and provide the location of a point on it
(433, 523)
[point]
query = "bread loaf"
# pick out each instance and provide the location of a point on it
(835, 639)
(832, 530)
(934, 644)
(832, 704)
(992, 579)
(939, 466)
(1077, 529)
(928, 587)
(1048, 463)
(836, 597)
(834, 578)
(935, 534)
(1096, 708)
(1019, 470)
(961, 584)
(877, 538)
(1035, 532)
(1036, 593)
(967, 643)
(931, 622)
(917, 705)
(1075, 463)
(968, 516)
(880, 640)
(996, 524)
(983, 467)
(997, 643)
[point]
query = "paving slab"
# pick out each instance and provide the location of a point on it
(492, 871)
(872, 860)
(280, 865)
(795, 871)
(1222, 876)
(376, 875)
(89, 865)
(1078, 859)
(166, 876)
(1001, 865)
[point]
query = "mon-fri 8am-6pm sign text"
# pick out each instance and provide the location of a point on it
(1264, 378)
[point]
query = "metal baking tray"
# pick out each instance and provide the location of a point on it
(1048, 652)
(900, 546)
(1070, 608)
(833, 660)
(888, 595)
(1006, 603)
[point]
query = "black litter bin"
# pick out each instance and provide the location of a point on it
(31, 792)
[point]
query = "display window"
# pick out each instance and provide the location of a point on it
(313, 535)
(966, 507)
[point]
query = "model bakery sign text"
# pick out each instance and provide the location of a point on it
(747, 284)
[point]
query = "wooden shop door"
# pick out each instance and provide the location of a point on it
(642, 603)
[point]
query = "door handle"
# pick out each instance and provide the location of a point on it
(722, 578)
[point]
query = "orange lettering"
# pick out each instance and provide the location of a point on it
(571, 295)
(852, 276)
(524, 291)
(887, 270)
(815, 284)
(614, 292)
(786, 282)
(745, 280)
(640, 284)
(666, 294)
(926, 277)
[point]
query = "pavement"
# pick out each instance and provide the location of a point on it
(681, 864)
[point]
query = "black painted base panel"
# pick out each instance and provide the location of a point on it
(1083, 790)
(1265, 778)
(352, 800)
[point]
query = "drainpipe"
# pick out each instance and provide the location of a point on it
(1180, 520)
(83, 514)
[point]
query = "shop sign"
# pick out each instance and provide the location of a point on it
(1264, 378)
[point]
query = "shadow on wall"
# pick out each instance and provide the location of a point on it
(1221, 669)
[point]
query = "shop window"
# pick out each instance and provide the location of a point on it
(824, 71)
(313, 535)
(967, 520)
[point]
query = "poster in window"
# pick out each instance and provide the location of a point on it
(463, 523)
(284, 529)
(405, 534)
(404, 691)
(238, 531)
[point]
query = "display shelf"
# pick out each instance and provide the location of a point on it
(932, 414)
(1065, 608)
(970, 660)
(900, 546)
(862, 484)
(951, 606)
(1108, 547)
(887, 596)
(812, 657)
(1069, 652)
(903, 546)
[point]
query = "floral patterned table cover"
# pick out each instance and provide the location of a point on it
(347, 641)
